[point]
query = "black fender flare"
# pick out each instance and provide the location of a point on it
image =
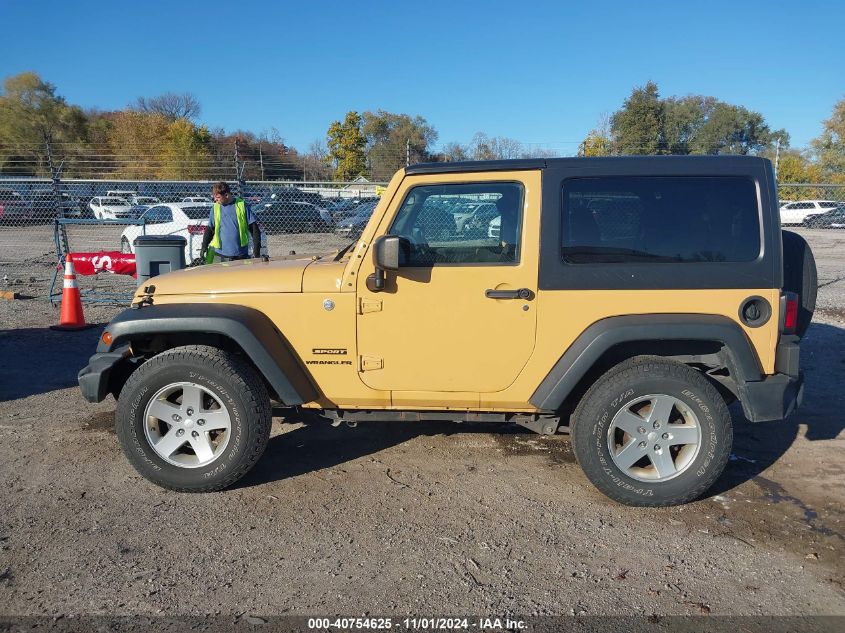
(250, 329)
(607, 333)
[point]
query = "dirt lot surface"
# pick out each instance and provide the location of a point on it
(424, 519)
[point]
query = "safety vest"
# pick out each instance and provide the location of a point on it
(243, 230)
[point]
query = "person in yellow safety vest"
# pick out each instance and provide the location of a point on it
(230, 224)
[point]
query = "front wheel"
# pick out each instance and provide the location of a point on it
(652, 432)
(193, 419)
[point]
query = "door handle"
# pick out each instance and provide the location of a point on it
(523, 293)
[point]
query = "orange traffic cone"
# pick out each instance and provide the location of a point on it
(71, 317)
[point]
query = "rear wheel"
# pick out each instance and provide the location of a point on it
(194, 419)
(652, 432)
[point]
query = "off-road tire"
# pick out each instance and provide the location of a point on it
(800, 276)
(624, 383)
(242, 392)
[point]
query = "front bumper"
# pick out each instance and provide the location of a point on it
(94, 377)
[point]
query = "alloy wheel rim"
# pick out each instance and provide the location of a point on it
(654, 438)
(187, 425)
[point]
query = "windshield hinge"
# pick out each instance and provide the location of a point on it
(368, 305)
(369, 363)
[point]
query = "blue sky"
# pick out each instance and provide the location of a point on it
(539, 72)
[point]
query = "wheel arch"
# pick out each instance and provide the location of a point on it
(153, 329)
(698, 340)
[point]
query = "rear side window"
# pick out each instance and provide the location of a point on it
(650, 219)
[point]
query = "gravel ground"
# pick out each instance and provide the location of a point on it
(423, 519)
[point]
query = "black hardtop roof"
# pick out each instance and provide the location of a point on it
(544, 163)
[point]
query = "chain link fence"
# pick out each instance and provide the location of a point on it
(814, 206)
(99, 215)
(41, 220)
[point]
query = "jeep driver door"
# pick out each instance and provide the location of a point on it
(459, 315)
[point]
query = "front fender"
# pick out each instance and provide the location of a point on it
(250, 329)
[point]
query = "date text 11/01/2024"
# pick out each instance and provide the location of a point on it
(421, 623)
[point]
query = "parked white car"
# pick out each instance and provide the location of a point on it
(186, 219)
(110, 208)
(796, 212)
(146, 200)
(198, 200)
(126, 194)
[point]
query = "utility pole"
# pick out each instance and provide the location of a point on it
(777, 158)
(261, 158)
(239, 169)
(55, 176)
(407, 152)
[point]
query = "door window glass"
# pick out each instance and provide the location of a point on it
(477, 223)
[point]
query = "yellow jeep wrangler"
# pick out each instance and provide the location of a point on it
(626, 300)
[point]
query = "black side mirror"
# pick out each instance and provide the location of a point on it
(385, 257)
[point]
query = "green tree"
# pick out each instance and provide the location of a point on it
(683, 117)
(140, 140)
(599, 141)
(694, 124)
(595, 145)
(394, 139)
(186, 154)
(31, 113)
(638, 127)
(346, 147)
(795, 167)
(731, 129)
(829, 147)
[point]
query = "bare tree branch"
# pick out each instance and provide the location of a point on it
(172, 105)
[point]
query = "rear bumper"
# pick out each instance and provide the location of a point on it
(773, 398)
(94, 377)
(776, 396)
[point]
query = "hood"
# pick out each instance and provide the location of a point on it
(245, 276)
